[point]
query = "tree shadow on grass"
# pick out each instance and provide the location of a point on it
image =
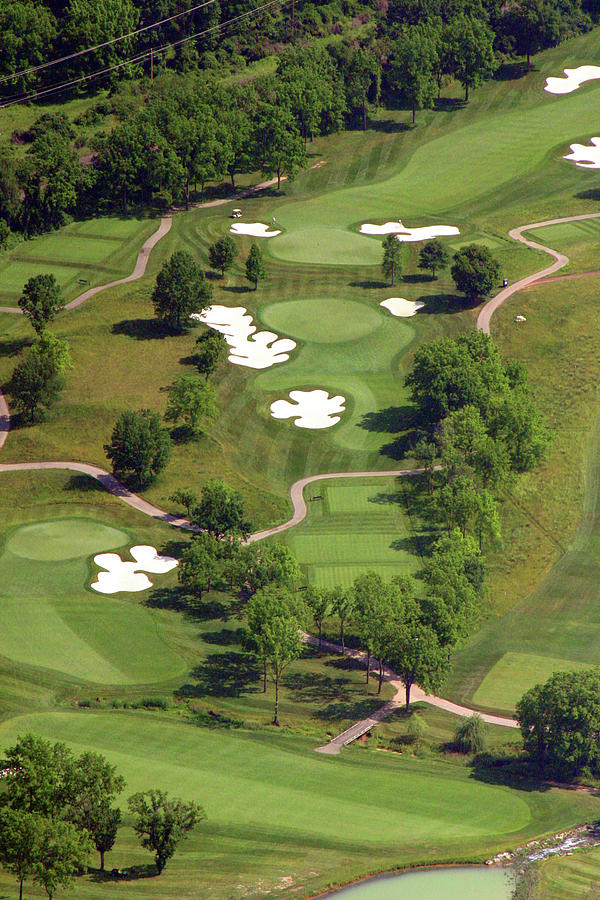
(84, 483)
(510, 71)
(313, 687)
(592, 194)
(178, 600)
(141, 329)
(443, 304)
(355, 710)
(237, 289)
(223, 675)
(128, 873)
(417, 278)
(449, 104)
(388, 126)
(369, 285)
(390, 420)
(13, 346)
(385, 498)
(225, 637)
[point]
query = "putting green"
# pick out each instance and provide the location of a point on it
(322, 320)
(64, 539)
(326, 245)
(515, 673)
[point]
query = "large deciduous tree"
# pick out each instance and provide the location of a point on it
(280, 148)
(412, 67)
(472, 50)
(221, 510)
(162, 822)
(38, 378)
(275, 617)
(181, 289)
(222, 254)
(192, 401)
(140, 447)
(475, 271)
(41, 300)
(211, 350)
(433, 256)
(560, 723)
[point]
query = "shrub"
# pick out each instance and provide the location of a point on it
(470, 735)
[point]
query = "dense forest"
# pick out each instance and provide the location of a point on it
(175, 122)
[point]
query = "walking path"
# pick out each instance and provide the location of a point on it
(560, 260)
(397, 702)
(114, 486)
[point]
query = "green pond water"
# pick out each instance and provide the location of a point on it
(460, 883)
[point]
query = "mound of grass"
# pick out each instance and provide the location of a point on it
(322, 320)
(515, 673)
(52, 540)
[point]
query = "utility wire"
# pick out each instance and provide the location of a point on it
(145, 55)
(122, 37)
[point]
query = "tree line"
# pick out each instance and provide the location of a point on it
(56, 808)
(190, 128)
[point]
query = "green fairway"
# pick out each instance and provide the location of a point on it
(323, 244)
(79, 255)
(64, 539)
(515, 673)
(322, 320)
(354, 525)
(244, 779)
(571, 877)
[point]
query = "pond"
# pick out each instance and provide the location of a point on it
(444, 883)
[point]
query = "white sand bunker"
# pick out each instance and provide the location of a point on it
(398, 306)
(409, 234)
(254, 229)
(574, 78)
(256, 350)
(586, 157)
(313, 409)
(129, 576)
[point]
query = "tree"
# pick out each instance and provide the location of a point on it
(454, 575)
(417, 655)
(256, 565)
(274, 621)
(475, 271)
(433, 256)
(560, 723)
(255, 267)
(140, 447)
(221, 510)
(29, 34)
(211, 350)
(162, 822)
(96, 784)
(470, 735)
(186, 498)
(19, 839)
(88, 23)
(62, 850)
(41, 300)
(181, 289)
(222, 254)
(319, 604)
(193, 401)
(392, 257)
(39, 776)
(198, 564)
(342, 603)
(362, 79)
(376, 608)
(413, 65)
(532, 25)
(280, 146)
(471, 41)
(38, 378)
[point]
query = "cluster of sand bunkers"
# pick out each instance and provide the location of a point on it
(255, 349)
(117, 575)
(584, 157)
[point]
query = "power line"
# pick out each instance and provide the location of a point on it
(122, 37)
(135, 59)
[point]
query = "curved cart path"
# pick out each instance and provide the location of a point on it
(138, 270)
(560, 260)
(397, 702)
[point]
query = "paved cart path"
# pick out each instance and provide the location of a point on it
(114, 486)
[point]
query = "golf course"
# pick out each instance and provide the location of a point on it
(162, 683)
